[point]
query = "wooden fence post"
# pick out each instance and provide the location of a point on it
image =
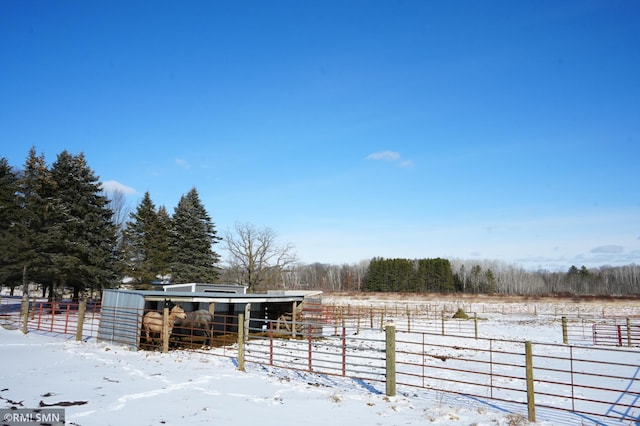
(33, 311)
(293, 320)
(475, 324)
(531, 396)
(165, 329)
(390, 350)
(371, 314)
(271, 343)
(442, 322)
(241, 342)
(344, 351)
(212, 311)
(628, 332)
(82, 308)
(565, 335)
(310, 348)
(25, 313)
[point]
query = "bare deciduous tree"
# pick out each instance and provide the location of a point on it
(256, 258)
(117, 204)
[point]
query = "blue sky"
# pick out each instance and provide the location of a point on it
(496, 130)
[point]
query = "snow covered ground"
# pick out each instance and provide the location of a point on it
(105, 384)
(101, 384)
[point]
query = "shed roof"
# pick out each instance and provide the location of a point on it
(187, 296)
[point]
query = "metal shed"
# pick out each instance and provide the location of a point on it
(122, 310)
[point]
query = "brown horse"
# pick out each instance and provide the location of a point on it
(196, 327)
(152, 321)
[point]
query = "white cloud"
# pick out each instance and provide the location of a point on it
(612, 248)
(111, 186)
(390, 157)
(384, 155)
(183, 163)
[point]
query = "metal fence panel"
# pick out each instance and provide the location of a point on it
(121, 318)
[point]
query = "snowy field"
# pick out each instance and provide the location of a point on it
(102, 384)
(105, 384)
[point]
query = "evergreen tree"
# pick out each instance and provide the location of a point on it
(573, 270)
(161, 249)
(11, 248)
(84, 235)
(403, 271)
(476, 272)
(408, 275)
(147, 235)
(36, 199)
(490, 281)
(442, 275)
(192, 238)
(377, 277)
(435, 275)
(423, 277)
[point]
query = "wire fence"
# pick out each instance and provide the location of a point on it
(598, 383)
(58, 318)
(588, 384)
(531, 307)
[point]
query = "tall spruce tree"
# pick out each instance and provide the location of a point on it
(161, 249)
(147, 236)
(36, 199)
(11, 247)
(192, 237)
(83, 233)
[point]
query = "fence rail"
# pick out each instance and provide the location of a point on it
(340, 355)
(597, 382)
(599, 385)
(65, 318)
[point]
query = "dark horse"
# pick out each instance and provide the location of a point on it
(197, 327)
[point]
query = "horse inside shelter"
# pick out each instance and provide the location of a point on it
(122, 311)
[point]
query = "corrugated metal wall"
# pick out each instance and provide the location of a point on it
(121, 317)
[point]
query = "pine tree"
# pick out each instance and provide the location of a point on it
(192, 238)
(160, 254)
(147, 235)
(491, 281)
(441, 275)
(11, 248)
(36, 199)
(378, 276)
(83, 234)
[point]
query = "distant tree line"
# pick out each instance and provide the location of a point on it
(464, 276)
